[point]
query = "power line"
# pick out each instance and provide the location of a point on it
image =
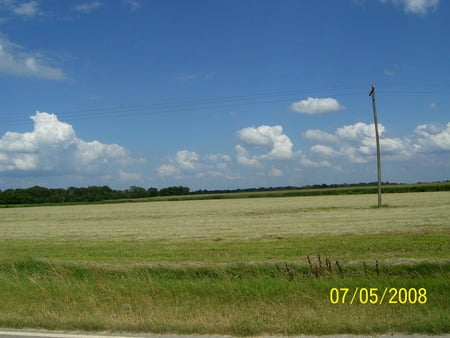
(170, 107)
(175, 107)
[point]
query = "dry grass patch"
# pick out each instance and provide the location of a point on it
(229, 219)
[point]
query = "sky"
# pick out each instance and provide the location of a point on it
(216, 94)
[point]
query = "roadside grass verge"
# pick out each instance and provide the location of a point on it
(236, 299)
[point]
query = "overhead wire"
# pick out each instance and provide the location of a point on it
(202, 104)
(172, 107)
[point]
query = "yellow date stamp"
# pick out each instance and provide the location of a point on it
(378, 296)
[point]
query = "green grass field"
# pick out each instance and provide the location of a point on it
(232, 266)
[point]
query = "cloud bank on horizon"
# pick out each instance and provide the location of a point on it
(53, 148)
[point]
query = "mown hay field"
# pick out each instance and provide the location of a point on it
(234, 218)
(241, 267)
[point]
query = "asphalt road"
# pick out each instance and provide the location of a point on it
(6, 333)
(9, 333)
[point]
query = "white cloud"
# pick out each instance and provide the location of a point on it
(23, 9)
(244, 158)
(218, 157)
(93, 155)
(357, 142)
(167, 170)
(356, 153)
(88, 7)
(420, 7)
(434, 106)
(268, 136)
(319, 135)
(53, 147)
(359, 131)
(27, 9)
(275, 172)
(189, 163)
(255, 136)
(315, 105)
(16, 62)
(306, 162)
(133, 4)
(187, 159)
(431, 137)
(324, 150)
(127, 176)
(389, 72)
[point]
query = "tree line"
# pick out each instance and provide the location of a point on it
(39, 194)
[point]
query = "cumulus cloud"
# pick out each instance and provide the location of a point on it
(356, 142)
(192, 164)
(430, 137)
(359, 131)
(53, 147)
(14, 61)
(306, 162)
(325, 151)
(187, 159)
(243, 157)
(420, 7)
(315, 105)
(218, 157)
(267, 137)
(319, 135)
(167, 170)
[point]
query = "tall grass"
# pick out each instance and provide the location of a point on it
(237, 299)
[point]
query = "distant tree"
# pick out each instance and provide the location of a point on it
(37, 194)
(152, 192)
(136, 192)
(172, 191)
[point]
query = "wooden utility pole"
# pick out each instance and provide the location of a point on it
(377, 137)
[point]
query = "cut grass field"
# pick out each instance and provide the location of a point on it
(226, 266)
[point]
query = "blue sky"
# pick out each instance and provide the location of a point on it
(222, 94)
